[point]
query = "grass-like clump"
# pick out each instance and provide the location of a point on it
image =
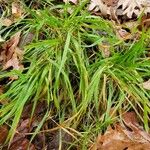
(64, 65)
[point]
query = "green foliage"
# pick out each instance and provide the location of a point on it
(65, 67)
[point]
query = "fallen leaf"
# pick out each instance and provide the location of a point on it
(22, 144)
(124, 8)
(145, 22)
(13, 62)
(96, 5)
(146, 85)
(124, 34)
(3, 101)
(131, 121)
(26, 39)
(27, 125)
(6, 22)
(133, 7)
(40, 108)
(40, 141)
(105, 48)
(123, 138)
(16, 10)
(3, 134)
(11, 55)
(55, 140)
(130, 118)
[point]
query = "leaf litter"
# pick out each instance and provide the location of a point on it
(11, 55)
(26, 127)
(128, 135)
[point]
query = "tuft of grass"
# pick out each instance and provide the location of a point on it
(64, 66)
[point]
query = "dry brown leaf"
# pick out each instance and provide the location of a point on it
(123, 34)
(6, 22)
(3, 134)
(131, 121)
(16, 10)
(22, 144)
(26, 39)
(145, 22)
(105, 48)
(11, 55)
(130, 118)
(115, 8)
(10, 45)
(146, 85)
(26, 125)
(55, 144)
(121, 138)
(133, 7)
(97, 5)
(13, 62)
(3, 101)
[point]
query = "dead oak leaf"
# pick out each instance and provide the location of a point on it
(131, 121)
(133, 7)
(10, 45)
(13, 62)
(120, 137)
(11, 55)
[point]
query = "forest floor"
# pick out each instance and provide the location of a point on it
(75, 75)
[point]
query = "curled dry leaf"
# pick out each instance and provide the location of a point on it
(121, 138)
(11, 55)
(123, 34)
